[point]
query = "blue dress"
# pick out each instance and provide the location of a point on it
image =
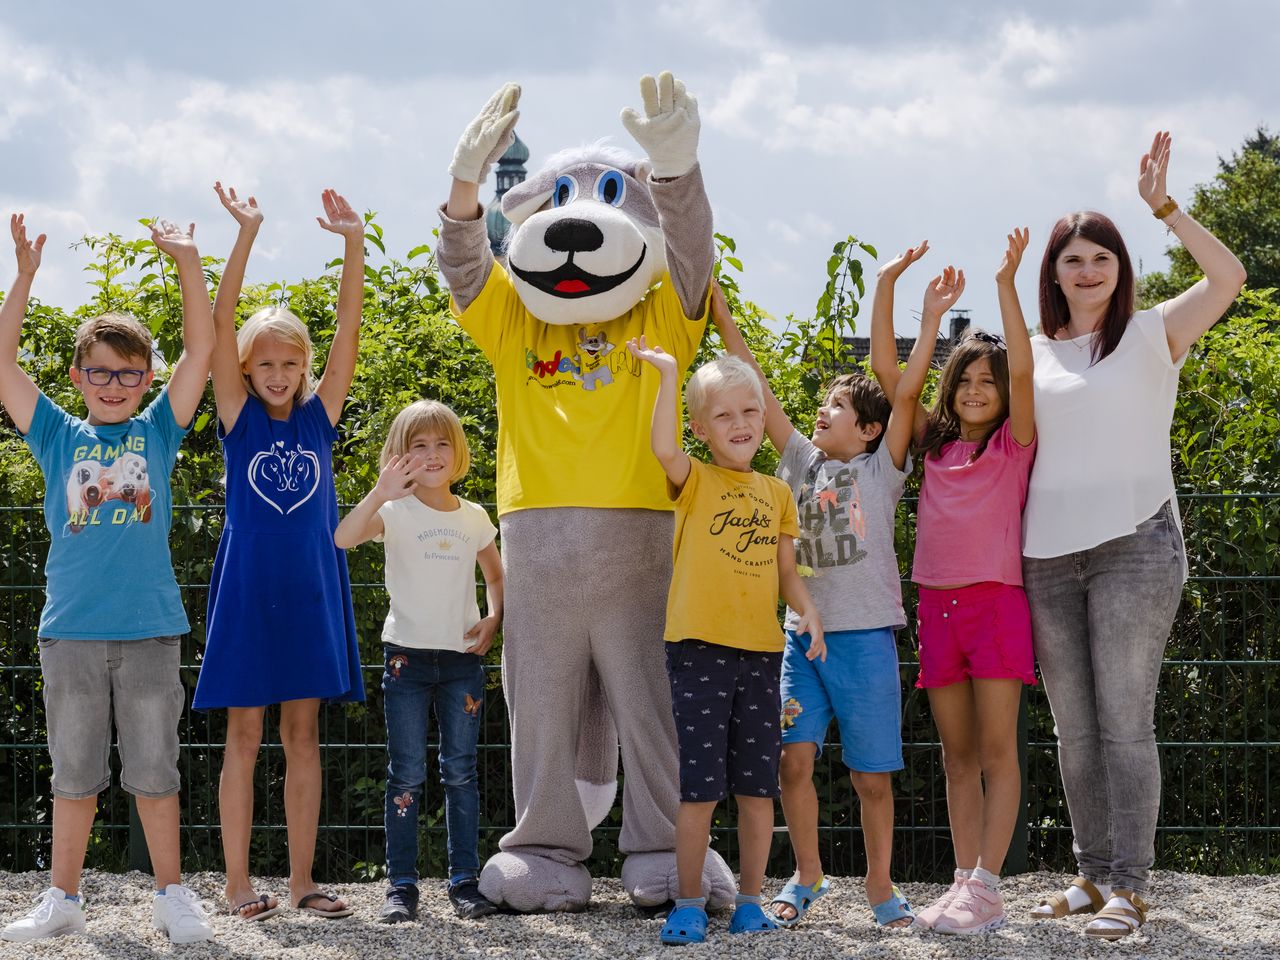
(280, 625)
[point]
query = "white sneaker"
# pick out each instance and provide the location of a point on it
(52, 916)
(181, 915)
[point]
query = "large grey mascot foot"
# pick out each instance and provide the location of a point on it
(650, 879)
(533, 884)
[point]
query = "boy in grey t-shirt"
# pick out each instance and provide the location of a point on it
(847, 481)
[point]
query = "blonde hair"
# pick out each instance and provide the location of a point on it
(286, 327)
(724, 372)
(121, 332)
(432, 417)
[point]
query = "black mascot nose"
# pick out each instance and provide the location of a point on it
(574, 236)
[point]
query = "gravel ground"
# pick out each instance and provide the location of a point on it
(1192, 917)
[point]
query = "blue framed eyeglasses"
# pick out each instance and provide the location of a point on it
(101, 376)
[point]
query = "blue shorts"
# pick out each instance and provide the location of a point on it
(726, 704)
(858, 684)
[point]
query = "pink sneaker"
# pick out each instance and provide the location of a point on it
(975, 909)
(931, 914)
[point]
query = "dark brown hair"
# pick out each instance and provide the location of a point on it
(868, 401)
(119, 331)
(943, 425)
(1054, 314)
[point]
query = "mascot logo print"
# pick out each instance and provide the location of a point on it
(286, 479)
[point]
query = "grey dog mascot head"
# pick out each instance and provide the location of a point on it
(605, 247)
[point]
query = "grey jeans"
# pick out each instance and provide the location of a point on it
(1100, 620)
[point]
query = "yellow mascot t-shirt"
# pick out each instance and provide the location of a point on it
(724, 587)
(574, 407)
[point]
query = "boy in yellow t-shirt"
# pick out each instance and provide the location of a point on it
(733, 556)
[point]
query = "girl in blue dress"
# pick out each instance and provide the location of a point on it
(281, 627)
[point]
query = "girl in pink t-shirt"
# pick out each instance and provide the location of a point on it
(977, 445)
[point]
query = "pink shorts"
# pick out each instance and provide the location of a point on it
(982, 631)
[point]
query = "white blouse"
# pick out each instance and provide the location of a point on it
(1103, 463)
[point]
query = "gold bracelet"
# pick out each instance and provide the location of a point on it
(1165, 208)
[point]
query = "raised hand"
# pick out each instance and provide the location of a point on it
(28, 253)
(342, 219)
(246, 212)
(487, 136)
(895, 267)
(398, 477)
(668, 131)
(173, 239)
(1013, 255)
(1153, 169)
(656, 356)
(943, 291)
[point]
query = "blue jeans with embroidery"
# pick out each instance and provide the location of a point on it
(414, 682)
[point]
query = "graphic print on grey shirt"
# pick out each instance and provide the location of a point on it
(847, 510)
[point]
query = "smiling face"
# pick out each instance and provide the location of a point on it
(977, 401)
(438, 457)
(587, 244)
(275, 370)
(837, 431)
(731, 423)
(1087, 273)
(111, 402)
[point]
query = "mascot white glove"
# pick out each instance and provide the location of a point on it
(487, 136)
(669, 129)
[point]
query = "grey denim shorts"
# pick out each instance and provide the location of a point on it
(89, 685)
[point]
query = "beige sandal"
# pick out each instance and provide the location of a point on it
(1132, 916)
(1061, 907)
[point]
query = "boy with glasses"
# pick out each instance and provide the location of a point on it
(109, 654)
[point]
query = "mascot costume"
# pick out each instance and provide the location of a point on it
(604, 247)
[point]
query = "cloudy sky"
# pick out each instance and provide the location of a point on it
(953, 121)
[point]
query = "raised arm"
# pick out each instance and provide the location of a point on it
(776, 422)
(1192, 312)
(884, 345)
(229, 391)
(482, 634)
(341, 365)
(464, 255)
(665, 430)
(191, 372)
(668, 131)
(939, 296)
(1022, 417)
(797, 597)
(18, 391)
(395, 480)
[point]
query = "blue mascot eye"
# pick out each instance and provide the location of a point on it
(566, 189)
(611, 188)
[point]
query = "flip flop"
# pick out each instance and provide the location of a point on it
(327, 914)
(685, 925)
(238, 910)
(800, 897)
(750, 918)
(895, 908)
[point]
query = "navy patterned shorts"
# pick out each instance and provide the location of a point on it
(726, 703)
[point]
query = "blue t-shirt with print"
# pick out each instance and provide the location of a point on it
(108, 508)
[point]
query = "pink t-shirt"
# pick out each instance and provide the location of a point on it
(969, 522)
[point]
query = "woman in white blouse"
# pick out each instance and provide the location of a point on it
(1104, 563)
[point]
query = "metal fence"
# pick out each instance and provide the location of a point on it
(1218, 730)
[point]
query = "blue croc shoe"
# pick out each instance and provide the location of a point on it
(685, 925)
(750, 918)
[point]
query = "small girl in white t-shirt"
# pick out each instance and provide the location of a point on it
(434, 640)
